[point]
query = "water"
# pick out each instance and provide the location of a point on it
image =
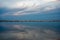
(29, 30)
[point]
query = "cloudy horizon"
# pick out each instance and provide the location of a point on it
(29, 10)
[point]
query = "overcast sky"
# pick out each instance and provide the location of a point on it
(27, 7)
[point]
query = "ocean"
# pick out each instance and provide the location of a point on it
(29, 30)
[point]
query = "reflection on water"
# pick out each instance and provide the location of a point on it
(30, 31)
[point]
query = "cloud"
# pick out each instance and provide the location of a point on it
(20, 4)
(24, 3)
(49, 0)
(29, 6)
(49, 8)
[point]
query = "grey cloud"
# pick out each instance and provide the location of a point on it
(30, 7)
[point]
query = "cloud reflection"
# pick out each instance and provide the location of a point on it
(20, 32)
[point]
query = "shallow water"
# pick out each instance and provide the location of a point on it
(29, 30)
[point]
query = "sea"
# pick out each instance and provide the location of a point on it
(29, 30)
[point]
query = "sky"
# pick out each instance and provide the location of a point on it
(29, 9)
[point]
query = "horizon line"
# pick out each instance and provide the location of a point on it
(29, 20)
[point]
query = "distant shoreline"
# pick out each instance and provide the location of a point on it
(29, 20)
